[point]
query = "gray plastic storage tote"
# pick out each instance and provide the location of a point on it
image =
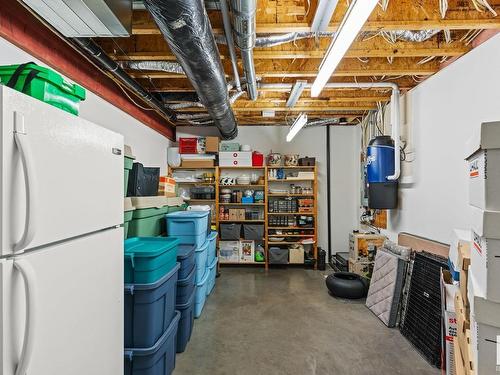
(278, 255)
(159, 359)
(149, 309)
(230, 232)
(253, 232)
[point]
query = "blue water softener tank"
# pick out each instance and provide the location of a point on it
(382, 193)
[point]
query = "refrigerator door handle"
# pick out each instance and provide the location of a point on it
(21, 139)
(28, 275)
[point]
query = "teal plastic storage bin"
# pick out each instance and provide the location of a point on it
(148, 259)
(128, 163)
(127, 215)
(156, 360)
(201, 295)
(212, 274)
(190, 227)
(201, 257)
(212, 247)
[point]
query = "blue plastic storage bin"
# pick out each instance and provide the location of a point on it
(186, 323)
(186, 257)
(185, 287)
(148, 259)
(201, 295)
(149, 309)
(190, 227)
(212, 274)
(212, 247)
(201, 257)
(158, 359)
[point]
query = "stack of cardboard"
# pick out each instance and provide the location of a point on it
(362, 249)
(481, 283)
(201, 156)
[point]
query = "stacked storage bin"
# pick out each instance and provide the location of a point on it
(128, 209)
(151, 321)
(482, 281)
(193, 228)
(186, 290)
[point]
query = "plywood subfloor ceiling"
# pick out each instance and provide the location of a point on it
(373, 57)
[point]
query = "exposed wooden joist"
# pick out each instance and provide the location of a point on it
(260, 108)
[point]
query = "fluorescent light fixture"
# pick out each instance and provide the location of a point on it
(296, 92)
(323, 15)
(268, 113)
(296, 126)
(356, 16)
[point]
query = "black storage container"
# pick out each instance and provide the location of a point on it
(203, 192)
(321, 260)
(230, 232)
(278, 255)
(307, 161)
(143, 181)
(340, 262)
(253, 231)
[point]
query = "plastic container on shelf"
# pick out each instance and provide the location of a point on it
(212, 269)
(43, 84)
(128, 209)
(190, 227)
(186, 257)
(148, 259)
(185, 287)
(186, 322)
(201, 258)
(212, 246)
(158, 359)
(149, 309)
(253, 232)
(148, 220)
(230, 231)
(201, 294)
(278, 255)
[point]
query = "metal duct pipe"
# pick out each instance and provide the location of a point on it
(164, 66)
(244, 26)
(112, 67)
(186, 28)
(277, 40)
(228, 31)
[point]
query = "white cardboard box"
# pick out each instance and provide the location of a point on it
(235, 159)
(485, 332)
(485, 223)
(229, 251)
(247, 251)
(459, 238)
(483, 160)
(448, 291)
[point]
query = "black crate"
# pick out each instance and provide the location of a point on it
(143, 181)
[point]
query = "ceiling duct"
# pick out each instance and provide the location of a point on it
(86, 18)
(186, 28)
(244, 26)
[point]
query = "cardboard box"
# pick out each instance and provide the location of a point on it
(229, 251)
(448, 291)
(458, 359)
(296, 255)
(460, 238)
(364, 269)
(235, 159)
(247, 251)
(462, 315)
(197, 163)
(241, 214)
(483, 160)
(212, 144)
(167, 187)
(359, 244)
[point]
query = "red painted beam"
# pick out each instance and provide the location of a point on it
(20, 27)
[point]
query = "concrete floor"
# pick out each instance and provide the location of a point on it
(285, 322)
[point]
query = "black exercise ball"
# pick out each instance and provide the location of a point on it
(347, 285)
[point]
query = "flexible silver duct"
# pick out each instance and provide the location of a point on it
(228, 37)
(186, 28)
(244, 26)
(164, 66)
(413, 36)
(277, 40)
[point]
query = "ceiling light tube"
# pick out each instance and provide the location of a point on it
(296, 92)
(323, 15)
(356, 16)
(298, 124)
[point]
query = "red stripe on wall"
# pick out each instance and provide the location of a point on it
(20, 27)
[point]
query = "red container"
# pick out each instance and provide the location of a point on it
(188, 145)
(257, 159)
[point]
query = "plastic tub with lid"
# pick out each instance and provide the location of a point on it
(128, 209)
(212, 274)
(201, 294)
(148, 219)
(212, 246)
(190, 227)
(185, 287)
(186, 322)
(128, 163)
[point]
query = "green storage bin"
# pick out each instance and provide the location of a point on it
(127, 215)
(43, 84)
(148, 219)
(149, 259)
(129, 162)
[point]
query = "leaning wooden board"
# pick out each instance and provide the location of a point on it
(418, 243)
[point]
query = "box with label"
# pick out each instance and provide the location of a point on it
(229, 251)
(296, 255)
(460, 238)
(448, 291)
(167, 187)
(235, 159)
(247, 251)
(361, 246)
(483, 161)
(364, 269)
(212, 144)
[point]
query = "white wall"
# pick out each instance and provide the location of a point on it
(312, 142)
(443, 112)
(149, 147)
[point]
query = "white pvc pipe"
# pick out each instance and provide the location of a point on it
(395, 110)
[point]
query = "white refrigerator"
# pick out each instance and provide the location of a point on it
(61, 259)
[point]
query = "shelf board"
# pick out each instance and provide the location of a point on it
(189, 168)
(241, 167)
(238, 186)
(290, 195)
(241, 204)
(243, 263)
(241, 221)
(195, 183)
(293, 180)
(295, 167)
(291, 235)
(288, 243)
(201, 200)
(289, 228)
(292, 213)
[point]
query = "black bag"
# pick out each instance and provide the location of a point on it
(143, 181)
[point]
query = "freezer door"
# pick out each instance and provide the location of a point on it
(61, 176)
(74, 320)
